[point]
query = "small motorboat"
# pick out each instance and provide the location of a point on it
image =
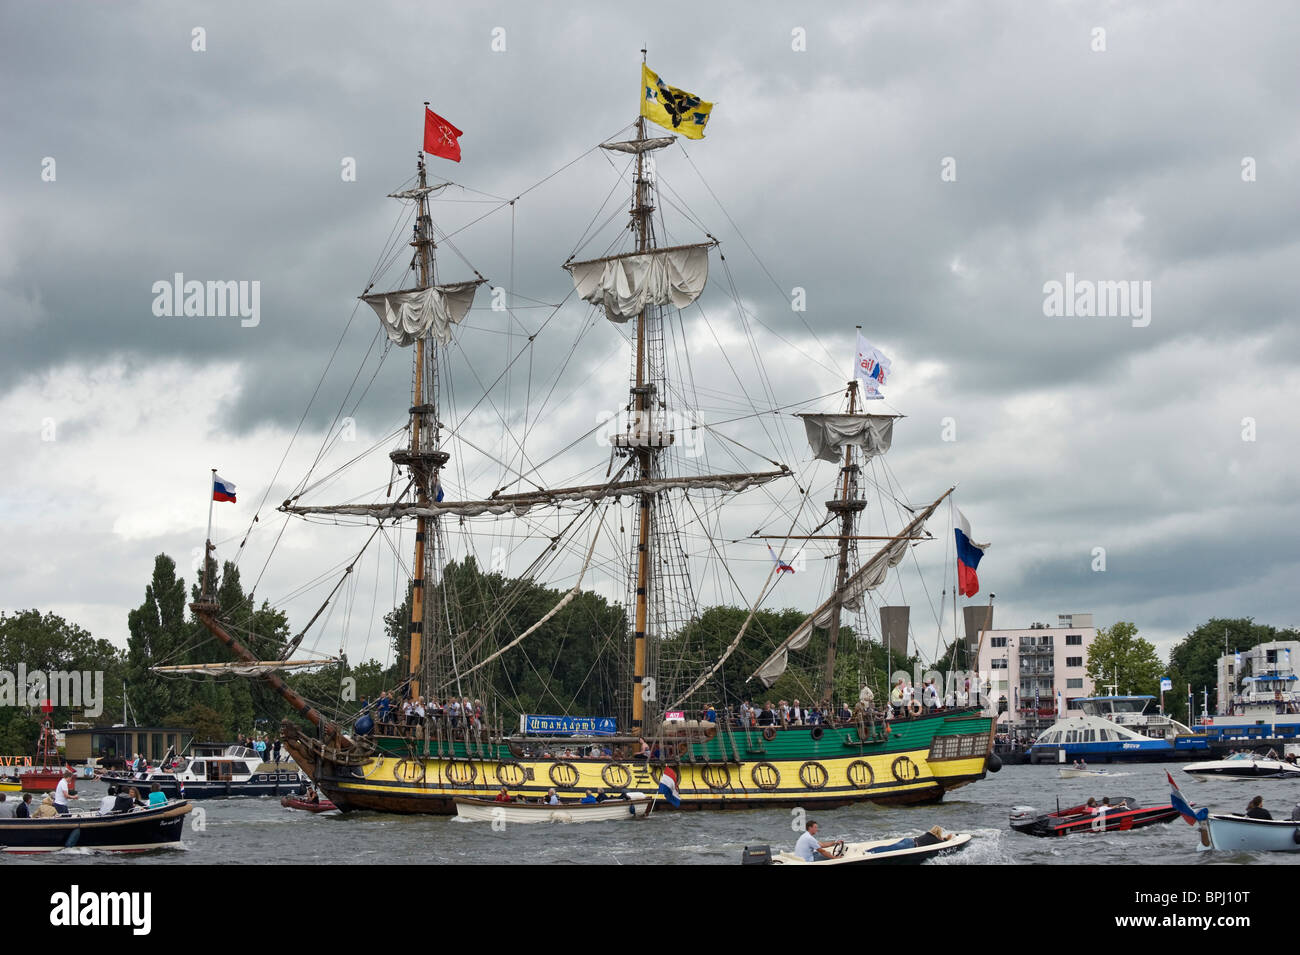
(307, 805)
(878, 852)
(636, 805)
(1233, 833)
(137, 831)
(10, 784)
(1069, 772)
(1244, 766)
(1120, 815)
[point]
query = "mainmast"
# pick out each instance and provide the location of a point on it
(641, 393)
(847, 505)
(423, 457)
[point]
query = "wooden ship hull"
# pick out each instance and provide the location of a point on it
(918, 761)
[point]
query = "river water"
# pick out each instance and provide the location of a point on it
(260, 831)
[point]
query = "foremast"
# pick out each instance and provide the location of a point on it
(846, 505)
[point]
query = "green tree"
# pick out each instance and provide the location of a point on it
(1119, 654)
(1195, 659)
(48, 644)
(160, 635)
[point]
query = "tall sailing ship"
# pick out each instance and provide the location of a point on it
(359, 763)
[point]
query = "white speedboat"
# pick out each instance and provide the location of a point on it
(882, 852)
(522, 813)
(1233, 833)
(1069, 772)
(1244, 766)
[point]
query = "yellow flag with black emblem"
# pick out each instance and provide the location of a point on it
(671, 108)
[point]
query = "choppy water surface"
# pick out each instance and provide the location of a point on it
(260, 831)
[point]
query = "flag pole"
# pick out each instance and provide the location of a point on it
(207, 543)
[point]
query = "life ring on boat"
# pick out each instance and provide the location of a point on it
(816, 732)
(769, 733)
(914, 708)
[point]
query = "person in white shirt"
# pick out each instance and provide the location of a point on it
(811, 849)
(909, 693)
(64, 792)
(551, 798)
(106, 804)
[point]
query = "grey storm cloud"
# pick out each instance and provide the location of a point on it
(1117, 165)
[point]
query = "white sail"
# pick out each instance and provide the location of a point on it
(240, 668)
(868, 577)
(626, 284)
(829, 433)
(419, 192)
(408, 316)
(522, 503)
(639, 145)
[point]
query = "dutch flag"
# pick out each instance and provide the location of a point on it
(668, 786)
(1193, 816)
(222, 490)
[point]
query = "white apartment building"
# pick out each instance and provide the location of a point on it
(1027, 668)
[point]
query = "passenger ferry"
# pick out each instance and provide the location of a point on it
(1112, 728)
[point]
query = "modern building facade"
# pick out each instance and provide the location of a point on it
(1276, 661)
(1029, 670)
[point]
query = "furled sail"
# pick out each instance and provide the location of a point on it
(626, 284)
(868, 577)
(419, 192)
(240, 668)
(829, 433)
(522, 503)
(407, 316)
(640, 145)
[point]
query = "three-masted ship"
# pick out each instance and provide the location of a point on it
(724, 763)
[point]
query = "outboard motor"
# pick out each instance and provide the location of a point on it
(756, 855)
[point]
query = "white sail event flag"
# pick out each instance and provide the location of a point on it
(872, 367)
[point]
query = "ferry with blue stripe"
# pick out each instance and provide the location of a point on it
(1116, 728)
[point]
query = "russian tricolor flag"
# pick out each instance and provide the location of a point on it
(668, 786)
(969, 554)
(222, 490)
(781, 566)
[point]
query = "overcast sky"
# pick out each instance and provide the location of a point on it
(919, 169)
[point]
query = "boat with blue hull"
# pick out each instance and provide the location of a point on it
(238, 771)
(1117, 728)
